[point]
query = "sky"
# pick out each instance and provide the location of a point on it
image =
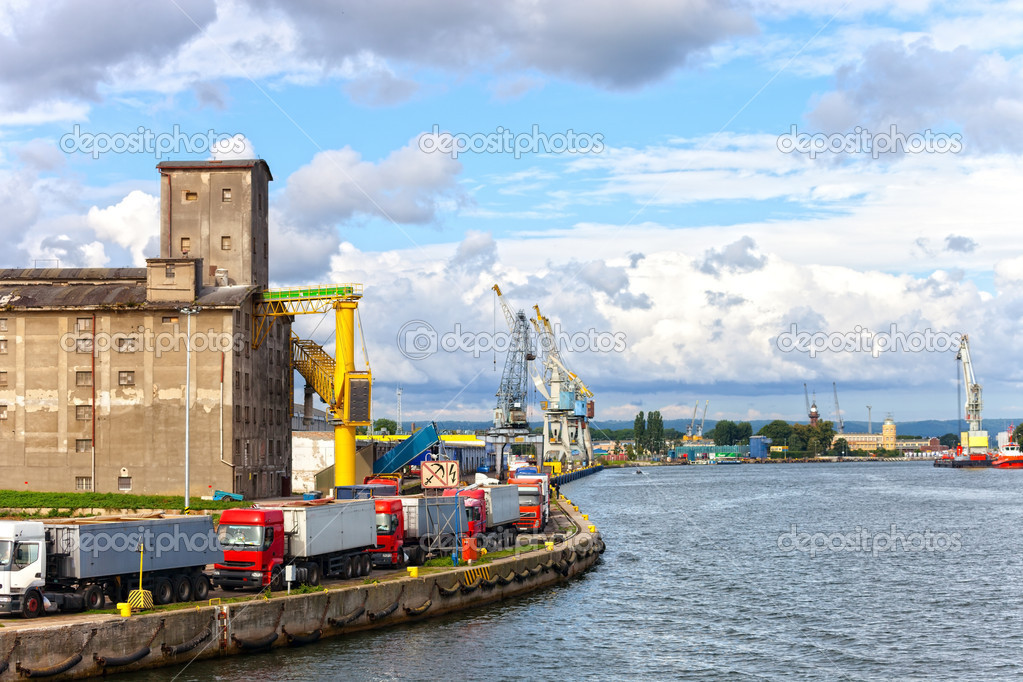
(711, 201)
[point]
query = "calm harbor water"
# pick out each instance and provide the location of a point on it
(851, 571)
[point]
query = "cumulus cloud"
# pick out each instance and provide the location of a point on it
(66, 49)
(607, 43)
(612, 281)
(960, 244)
(237, 147)
(919, 87)
(739, 256)
(133, 223)
(337, 185)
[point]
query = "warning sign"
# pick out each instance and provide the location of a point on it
(440, 474)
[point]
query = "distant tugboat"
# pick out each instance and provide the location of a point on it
(1009, 456)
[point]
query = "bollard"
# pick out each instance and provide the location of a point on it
(413, 571)
(548, 545)
(593, 529)
(575, 507)
(586, 517)
(125, 608)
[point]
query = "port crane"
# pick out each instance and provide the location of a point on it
(974, 441)
(566, 408)
(699, 431)
(510, 425)
(838, 411)
(692, 422)
(345, 389)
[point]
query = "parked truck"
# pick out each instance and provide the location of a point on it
(320, 538)
(75, 564)
(493, 512)
(534, 504)
(429, 526)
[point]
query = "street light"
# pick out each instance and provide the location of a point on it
(188, 311)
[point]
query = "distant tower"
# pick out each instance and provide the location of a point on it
(814, 414)
(398, 395)
(888, 433)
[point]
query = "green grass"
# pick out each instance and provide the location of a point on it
(65, 504)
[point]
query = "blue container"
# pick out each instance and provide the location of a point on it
(580, 408)
(365, 491)
(314, 495)
(566, 401)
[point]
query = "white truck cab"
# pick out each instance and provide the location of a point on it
(22, 567)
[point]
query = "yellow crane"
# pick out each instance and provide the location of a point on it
(345, 389)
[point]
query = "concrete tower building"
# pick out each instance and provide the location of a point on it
(93, 361)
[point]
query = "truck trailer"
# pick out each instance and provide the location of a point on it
(319, 537)
(431, 526)
(75, 564)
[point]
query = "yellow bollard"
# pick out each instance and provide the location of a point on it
(413, 571)
(548, 545)
(125, 608)
(593, 529)
(586, 517)
(575, 507)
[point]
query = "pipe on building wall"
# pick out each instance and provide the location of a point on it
(224, 461)
(92, 410)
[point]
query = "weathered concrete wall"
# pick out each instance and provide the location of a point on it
(259, 625)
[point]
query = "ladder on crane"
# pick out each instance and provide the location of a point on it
(345, 389)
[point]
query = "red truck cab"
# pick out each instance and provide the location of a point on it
(253, 544)
(531, 516)
(389, 550)
(394, 483)
(475, 510)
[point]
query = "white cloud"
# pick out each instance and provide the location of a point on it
(133, 223)
(236, 147)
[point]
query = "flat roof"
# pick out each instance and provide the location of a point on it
(213, 164)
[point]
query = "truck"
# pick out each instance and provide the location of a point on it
(75, 564)
(493, 512)
(533, 504)
(430, 526)
(319, 537)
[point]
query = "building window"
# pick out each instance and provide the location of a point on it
(83, 445)
(246, 414)
(169, 272)
(127, 344)
(238, 413)
(83, 413)
(3, 324)
(83, 324)
(3, 378)
(83, 482)
(246, 381)
(83, 378)
(186, 245)
(3, 413)
(83, 345)
(3, 345)
(225, 194)
(170, 319)
(225, 243)
(237, 379)
(126, 378)
(187, 195)
(124, 483)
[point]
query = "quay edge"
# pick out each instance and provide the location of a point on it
(96, 645)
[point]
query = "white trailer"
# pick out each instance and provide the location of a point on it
(432, 525)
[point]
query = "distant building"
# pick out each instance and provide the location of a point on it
(93, 361)
(871, 441)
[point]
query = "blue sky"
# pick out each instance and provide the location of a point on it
(690, 232)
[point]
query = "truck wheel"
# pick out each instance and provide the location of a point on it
(313, 573)
(367, 564)
(94, 597)
(200, 587)
(347, 569)
(276, 579)
(182, 588)
(32, 605)
(163, 591)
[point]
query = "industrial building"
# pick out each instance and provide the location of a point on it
(93, 362)
(871, 441)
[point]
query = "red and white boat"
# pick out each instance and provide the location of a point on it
(1009, 455)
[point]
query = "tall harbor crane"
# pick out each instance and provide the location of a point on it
(699, 431)
(974, 441)
(838, 411)
(511, 395)
(690, 430)
(345, 389)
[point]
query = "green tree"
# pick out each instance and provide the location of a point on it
(743, 431)
(630, 452)
(841, 446)
(1017, 433)
(796, 444)
(655, 432)
(950, 440)
(778, 431)
(389, 425)
(723, 432)
(639, 432)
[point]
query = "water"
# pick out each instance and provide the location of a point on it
(704, 578)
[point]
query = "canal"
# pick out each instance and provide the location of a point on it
(840, 571)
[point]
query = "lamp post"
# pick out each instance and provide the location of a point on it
(188, 312)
